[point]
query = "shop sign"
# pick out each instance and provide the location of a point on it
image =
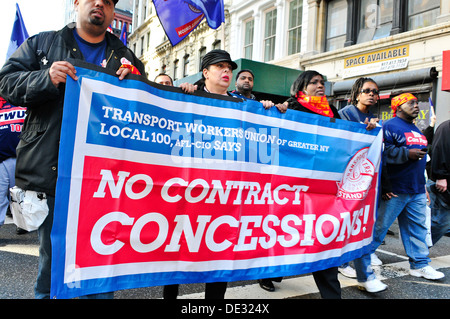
(378, 61)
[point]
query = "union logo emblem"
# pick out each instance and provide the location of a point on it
(357, 177)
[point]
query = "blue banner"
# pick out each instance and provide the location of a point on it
(157, 187)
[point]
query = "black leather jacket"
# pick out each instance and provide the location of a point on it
(25, 81)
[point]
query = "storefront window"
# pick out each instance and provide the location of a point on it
(336, 24)
(422, 13)
(375, 19)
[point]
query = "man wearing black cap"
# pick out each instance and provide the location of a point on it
(217, 69)
(35, 77)
(216, 56)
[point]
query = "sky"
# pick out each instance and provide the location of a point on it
(38, 16)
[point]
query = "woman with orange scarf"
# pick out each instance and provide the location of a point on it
(308, 95)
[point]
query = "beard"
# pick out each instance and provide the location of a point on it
(96, 21)
(245, 88)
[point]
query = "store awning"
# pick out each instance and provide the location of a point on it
(391, 81)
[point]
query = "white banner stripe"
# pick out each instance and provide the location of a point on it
(201, 163)
(87, 273)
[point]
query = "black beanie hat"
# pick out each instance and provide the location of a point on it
(216, 56)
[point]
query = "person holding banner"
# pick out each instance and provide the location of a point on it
(439, 182)
(244, 86)
(308, 95)
(163, 79)
(364, 94)
(35, 77)
(405, 165)
(217, 70)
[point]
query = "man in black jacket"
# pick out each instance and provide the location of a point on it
(35, 77)
(439, 183)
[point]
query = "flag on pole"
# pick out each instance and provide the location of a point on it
(18, 35)
(213, 10)
(432, 113)
(123, 34)
(180, 17)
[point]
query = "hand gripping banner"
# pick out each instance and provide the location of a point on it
(158, 187)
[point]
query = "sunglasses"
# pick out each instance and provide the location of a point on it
(367, 91)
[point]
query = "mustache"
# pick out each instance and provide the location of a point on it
(97, 10)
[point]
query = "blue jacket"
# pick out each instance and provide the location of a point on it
(405, 175)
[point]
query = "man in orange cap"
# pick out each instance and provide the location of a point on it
(404, 154)
(402, 99)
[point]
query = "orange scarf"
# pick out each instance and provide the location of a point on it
(317, 104)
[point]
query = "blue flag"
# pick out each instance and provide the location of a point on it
(213, 10)
(123, 34)
(19, 33)
(181, 17)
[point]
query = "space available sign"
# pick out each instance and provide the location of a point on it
(394, 58)
(159, 187)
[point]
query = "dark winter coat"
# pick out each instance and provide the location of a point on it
(25, 81)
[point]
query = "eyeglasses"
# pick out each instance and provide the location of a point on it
(367, 91)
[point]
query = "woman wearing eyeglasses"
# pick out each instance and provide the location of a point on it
(364, 95)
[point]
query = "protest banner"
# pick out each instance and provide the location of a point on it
(158, 187)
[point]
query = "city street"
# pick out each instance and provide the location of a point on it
(19, 259)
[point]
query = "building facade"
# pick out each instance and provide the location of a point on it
(398, 43)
